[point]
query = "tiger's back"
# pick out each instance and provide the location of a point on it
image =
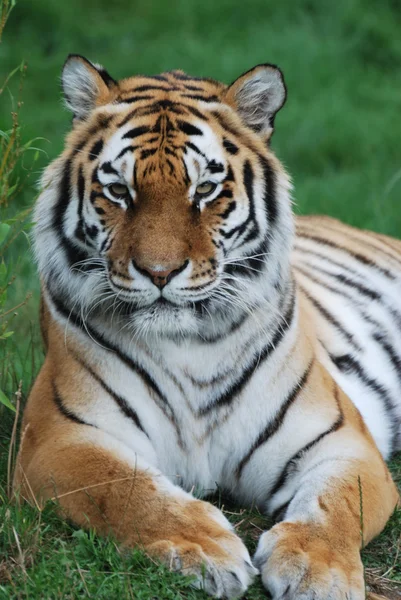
(350, 284)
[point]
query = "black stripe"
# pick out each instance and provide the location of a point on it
(165, 104)
(203, 98)
(360, 237)
(95, 150)
(362, 289)
(278, 420)
(291, 465)
(230, 174)
(79, 230)
(234, 326)
(91, 231)
(224, 124)
(155, 107)
(135, 176)
(186, 174)
(236, 388)
(230, 146)
(247, 175)
(195, 148)
(327, 258)
(390, 351)
(215, 166)
(387, 244)
(348, 364)
(130, 115)
(66, 412)
(248, 178)
(269, 195)
(378, 336)
(331, 319)
(230, 128)
(74, 254)
(280, 512)
(325, 285)
(155, 77)
(108, 79)
(230, 208)
(171, 166)
(148, 152)
(133, 99)
(355, 285)
(105, 243)
(135, 132)
(125, 150)
(133, 365)
(107, 168)
(147, 88)
(188, 128)
(194, 88)
(195, 112)
(120, 401)
(251, 266)
(170, 150)
(356, 255)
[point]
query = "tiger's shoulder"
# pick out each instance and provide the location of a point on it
(333, 233)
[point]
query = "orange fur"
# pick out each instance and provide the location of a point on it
(93, 485)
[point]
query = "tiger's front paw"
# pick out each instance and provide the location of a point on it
(208, 549)
(296, 563)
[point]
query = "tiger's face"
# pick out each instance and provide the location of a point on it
(170, 207)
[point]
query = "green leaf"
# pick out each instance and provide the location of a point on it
(5, 135)
(5, 401)
(6, 335)
(4, 229)
(11, 190)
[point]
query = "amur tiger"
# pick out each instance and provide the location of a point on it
(199, 337)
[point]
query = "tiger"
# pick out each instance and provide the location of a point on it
(199, 337)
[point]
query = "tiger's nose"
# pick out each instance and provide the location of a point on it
(161, 275)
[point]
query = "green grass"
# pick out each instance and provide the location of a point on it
(44, 557)
(338, 135)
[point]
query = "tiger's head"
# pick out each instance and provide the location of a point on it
(167, 209)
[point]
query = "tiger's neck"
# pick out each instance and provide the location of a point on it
(209, 369)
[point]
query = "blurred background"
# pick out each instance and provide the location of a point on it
(339, 134)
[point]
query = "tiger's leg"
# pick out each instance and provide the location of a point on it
(334, 497)
(101, 483)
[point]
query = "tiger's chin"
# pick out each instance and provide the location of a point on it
(164, 319)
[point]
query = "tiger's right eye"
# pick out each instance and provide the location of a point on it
(118, 190)
(206, 188)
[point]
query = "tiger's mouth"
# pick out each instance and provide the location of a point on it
(161, 301)
(126, 291)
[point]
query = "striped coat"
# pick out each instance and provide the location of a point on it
(198, 338)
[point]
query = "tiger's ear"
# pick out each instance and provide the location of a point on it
(258, 95)
(85, 85)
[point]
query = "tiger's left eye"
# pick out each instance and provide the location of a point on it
(118, 190)
(206, 188)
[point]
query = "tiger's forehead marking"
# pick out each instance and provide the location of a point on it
(166, 136)
(190, 88)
